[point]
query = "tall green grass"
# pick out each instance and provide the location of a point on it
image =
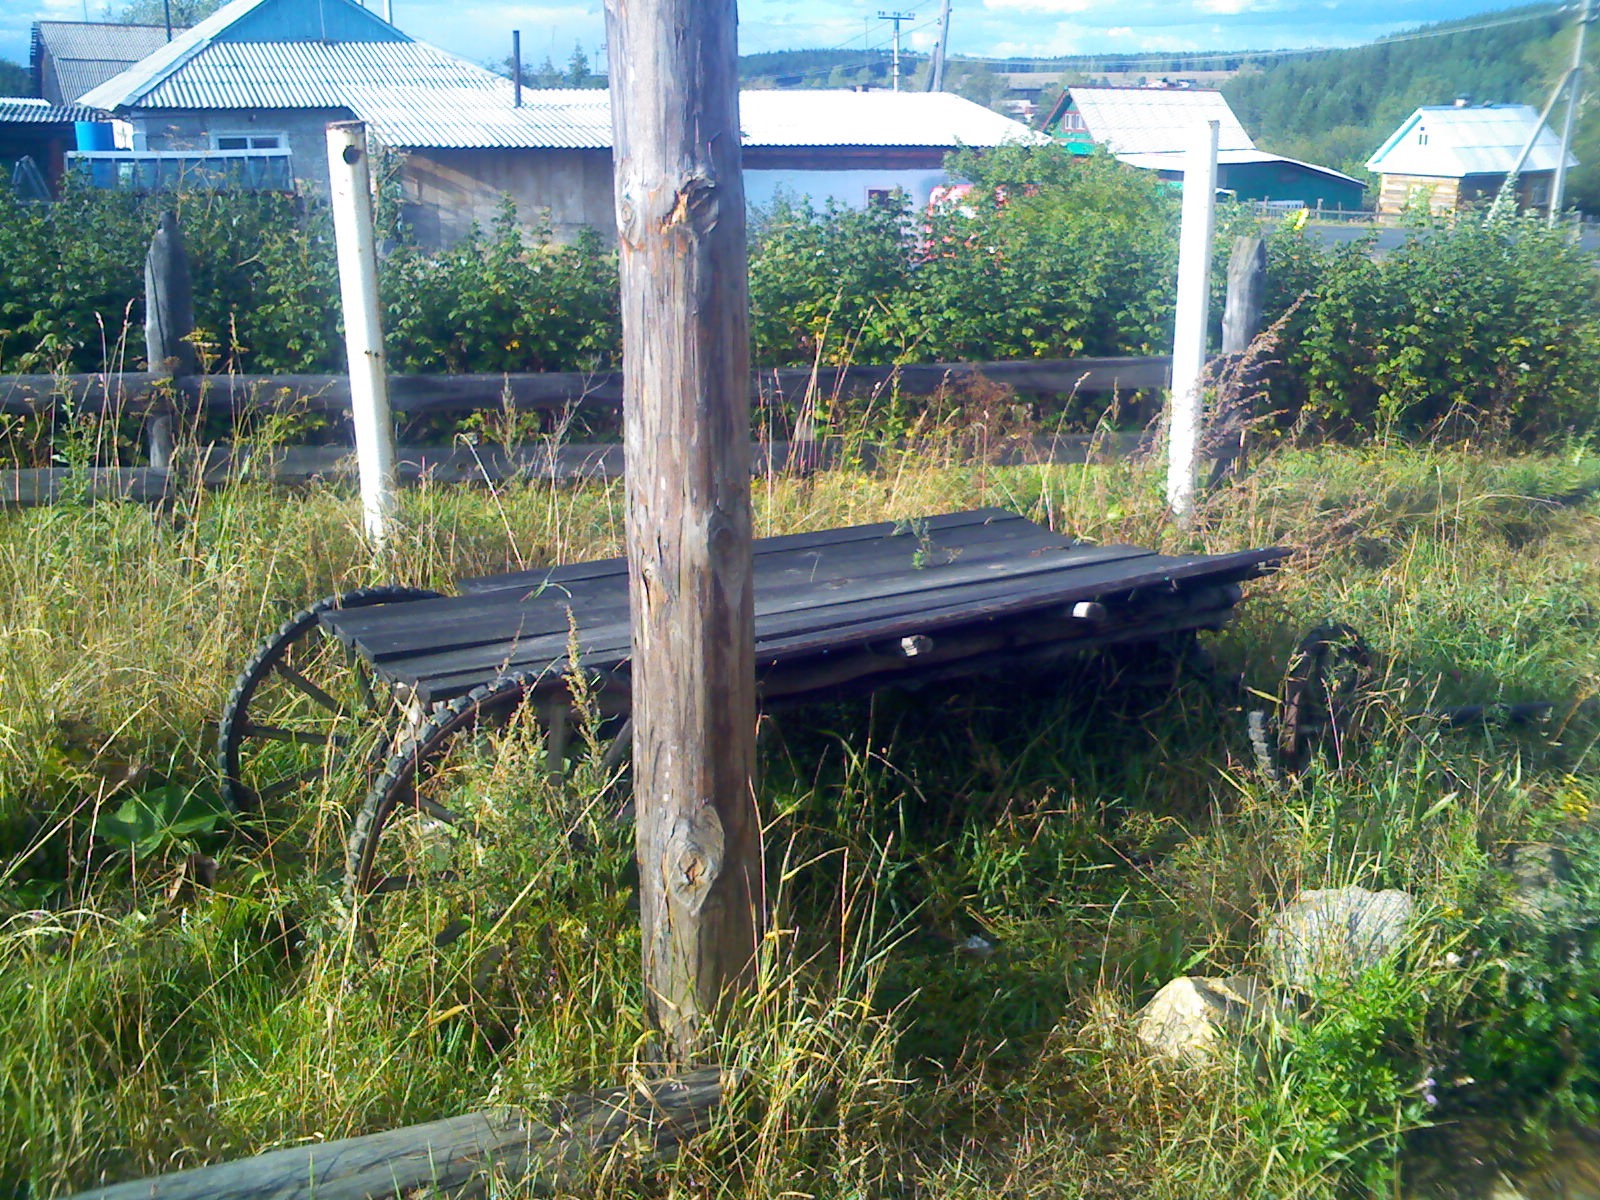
(1100, 832)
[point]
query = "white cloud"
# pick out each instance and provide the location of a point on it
(1044, 8)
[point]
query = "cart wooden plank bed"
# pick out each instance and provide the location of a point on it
(837, 610)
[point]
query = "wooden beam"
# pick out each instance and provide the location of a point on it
(458, 1155)
(685, 334)
(589, 391)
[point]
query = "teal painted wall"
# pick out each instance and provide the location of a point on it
(1287, 181)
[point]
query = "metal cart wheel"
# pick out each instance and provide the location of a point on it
(303, 707)
(1320, 705)
(420, 868)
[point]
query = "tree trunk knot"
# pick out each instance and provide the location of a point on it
(694, 857)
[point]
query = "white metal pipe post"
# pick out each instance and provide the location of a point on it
(1189, 329)
(351, 193)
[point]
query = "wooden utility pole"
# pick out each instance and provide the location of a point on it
(168, 322)
(940, 52)
(686, 358)
(1558, 185)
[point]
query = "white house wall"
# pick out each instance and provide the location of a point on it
(192, 129)
(849, 188)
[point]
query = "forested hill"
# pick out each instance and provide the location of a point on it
(1338, 107)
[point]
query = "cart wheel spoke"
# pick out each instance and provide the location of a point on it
(1324, 695)
(415, 844)
(301, 737)
(305, 685)
(301, 710)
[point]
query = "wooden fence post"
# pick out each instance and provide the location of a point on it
(1234, 371)
(1247, 285)
(350, 188)
(1189, 328)
(168, 322)
(686, 353)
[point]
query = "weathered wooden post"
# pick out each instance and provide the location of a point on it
(350, 187)
(168, 322)
(1235, 371)
(1247, 287)
(1189, 330)
(685, 298)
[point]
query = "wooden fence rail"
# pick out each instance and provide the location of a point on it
(134, 392)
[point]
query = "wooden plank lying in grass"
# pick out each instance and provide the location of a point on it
(589, 391)
(459, 1155)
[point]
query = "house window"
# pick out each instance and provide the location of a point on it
(248, 141)
(1422, 137)
(881, 197)
(1072, 122)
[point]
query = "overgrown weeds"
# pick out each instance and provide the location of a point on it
(973, 887)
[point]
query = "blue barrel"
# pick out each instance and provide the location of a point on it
(95, 135)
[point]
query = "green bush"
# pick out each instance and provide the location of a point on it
(1047, 256)
(492, 302)
(1471, 325)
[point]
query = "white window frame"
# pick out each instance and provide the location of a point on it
(253, 139)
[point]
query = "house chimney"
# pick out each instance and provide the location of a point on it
(516, 68)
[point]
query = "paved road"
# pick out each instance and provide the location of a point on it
(1390, 238)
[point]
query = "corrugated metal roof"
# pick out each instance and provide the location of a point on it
(1448, 142)
(480, 117)
(1156, 120)
(76, 56)
(447, 116)
(311, 75)
(101, 41)
(416, 95)
(134, 86)
(847, 118)
(22, 110)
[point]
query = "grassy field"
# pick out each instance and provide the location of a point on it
(1103, 832)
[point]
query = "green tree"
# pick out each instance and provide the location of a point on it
(154, 12)
(577, 67)
(15, 79)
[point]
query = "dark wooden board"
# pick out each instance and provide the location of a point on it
(996, 518)
(523, 612)
(983, 578)
(432, 627)
(822, 628)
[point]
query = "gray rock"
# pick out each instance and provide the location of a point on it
(1335, 933)
(1185, 1020)
(1539, 874)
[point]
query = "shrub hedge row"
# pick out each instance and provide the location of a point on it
(1472, 323)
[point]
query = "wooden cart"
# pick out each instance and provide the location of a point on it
(381, 685)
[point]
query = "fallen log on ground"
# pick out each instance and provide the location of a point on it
(458, 1156)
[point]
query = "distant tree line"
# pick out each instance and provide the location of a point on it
(1337, 108)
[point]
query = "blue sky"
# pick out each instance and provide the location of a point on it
(480, 29)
